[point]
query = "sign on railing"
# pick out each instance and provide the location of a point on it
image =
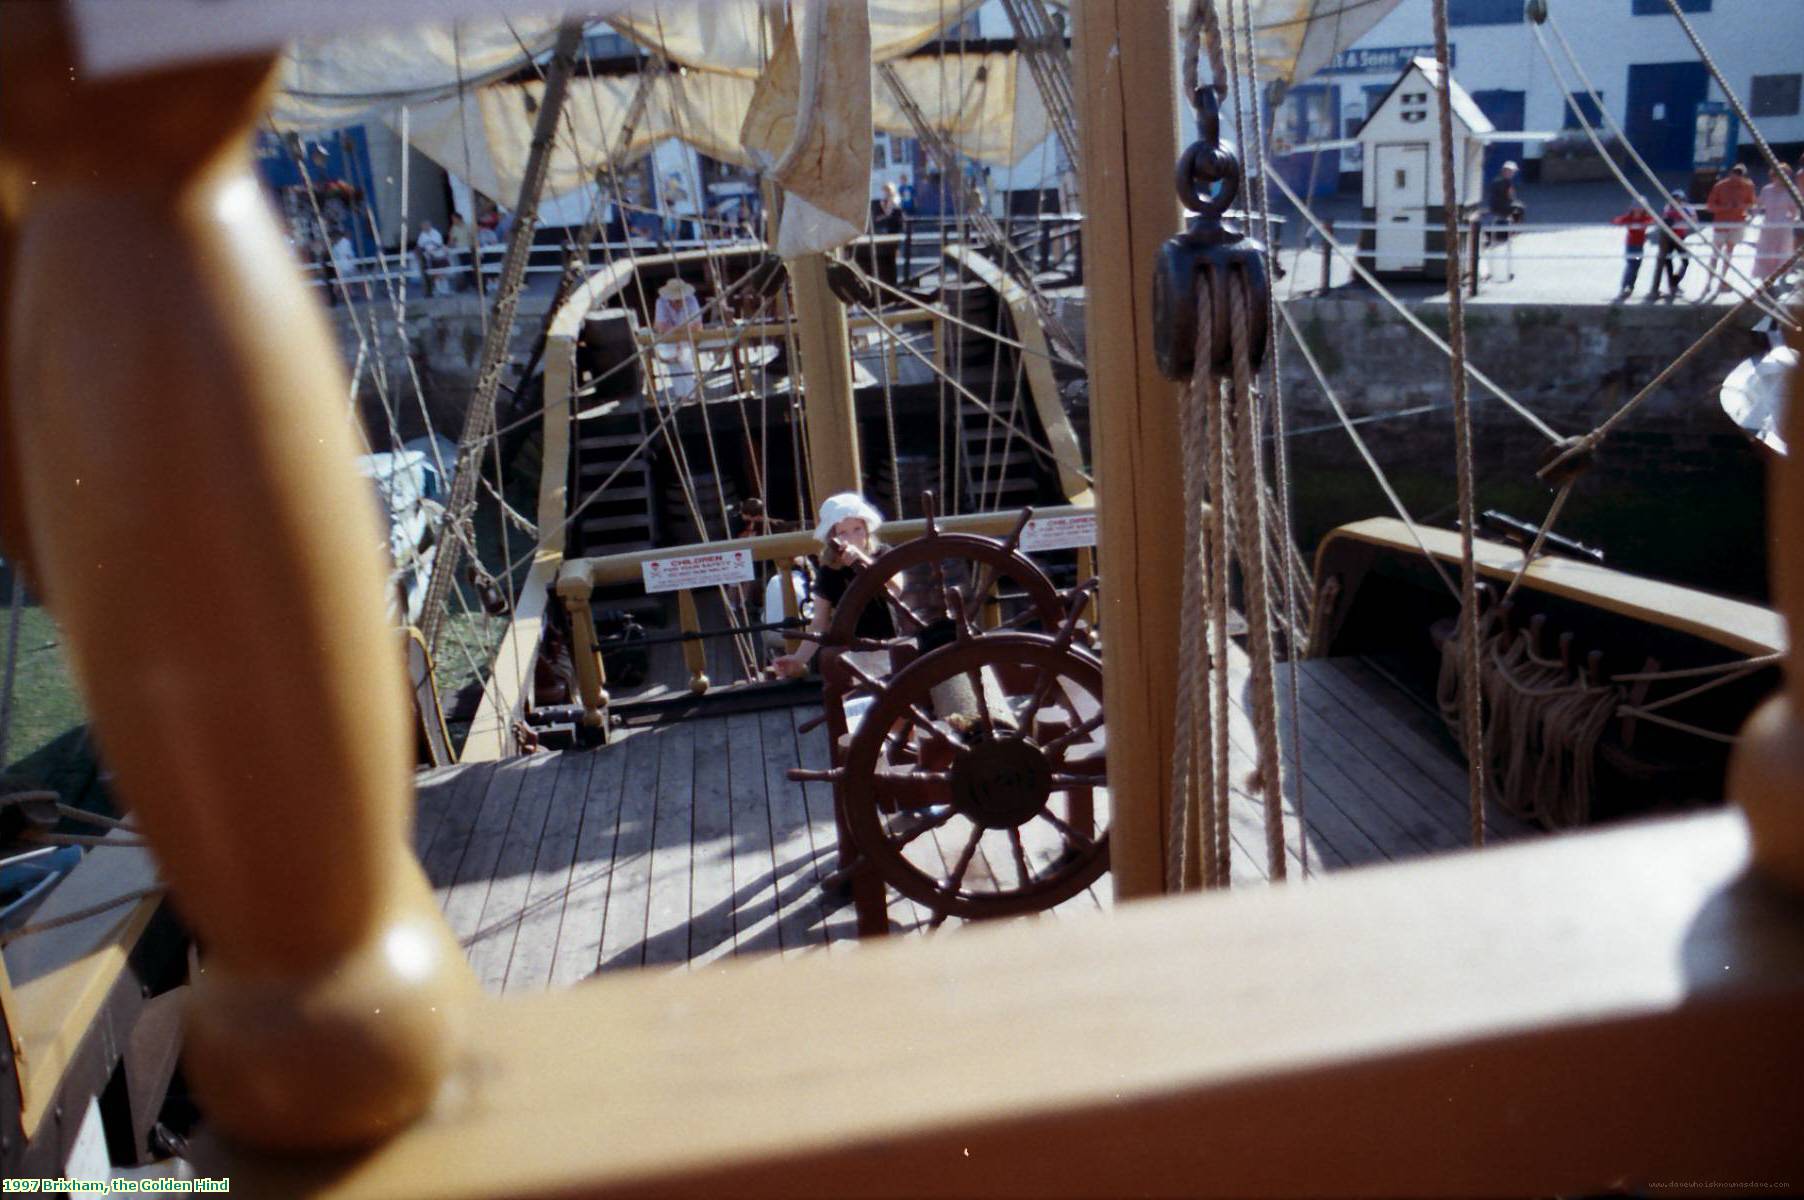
(697, 570)
(1069, 532)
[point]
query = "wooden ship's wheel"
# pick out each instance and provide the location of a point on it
(991, 814)
(969, 780)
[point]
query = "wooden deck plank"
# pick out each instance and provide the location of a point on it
(432, 798)
(476, 873)
(1335, 771)
(1246, 812)
(491, 947)
(812, 751)
(800, 920)
(754, 868)
(1382, 706)
(549, 887)
(711, 862)
(578, 950)
(451, 837)
(672, 847)
(623, 927)
(1356, 735)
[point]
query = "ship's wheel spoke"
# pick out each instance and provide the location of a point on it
(964, 861)
(1020, 851)
(1070, 835)
(1044, 682)
(1058, 746)
(935, 729)
(914, 826)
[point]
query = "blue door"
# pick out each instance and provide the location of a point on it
(1310, 113)
(1662, 111)
(1505, 110)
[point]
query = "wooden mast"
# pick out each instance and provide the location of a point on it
(826, 346)
(1127, 81)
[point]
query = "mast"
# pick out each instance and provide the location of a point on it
(826, 347)
(479, 421)
(1127, 81)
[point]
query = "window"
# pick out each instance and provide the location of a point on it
(1774, 96)
(1484, 12)
(1651, 8)
(1580, 104)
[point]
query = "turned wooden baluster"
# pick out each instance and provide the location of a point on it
(176, 411)
(1766, 774)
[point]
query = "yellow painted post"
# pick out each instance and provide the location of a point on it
(1766, 774)
(591, 672)
(825, 344)
(1127, 83)
(259, 731)
(694, 653)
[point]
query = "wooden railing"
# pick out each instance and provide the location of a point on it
(1619, 1010)
(579, 578)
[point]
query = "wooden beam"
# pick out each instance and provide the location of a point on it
(826, 347)
(1597, 1012)
(1747, 628)
(1127, 87)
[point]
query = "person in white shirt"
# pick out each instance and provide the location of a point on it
(678, 310)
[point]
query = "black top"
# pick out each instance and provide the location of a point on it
(1501, 199)
(874, 622)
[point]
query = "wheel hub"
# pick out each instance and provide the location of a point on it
(1001, 784)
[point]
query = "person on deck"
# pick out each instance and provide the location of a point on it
(675, 319)
(1729, 203)
(852, 520)
(433, 257)
(1503, 208)
(1673, 259)
(462, 241)
(1778, 221)
(1634, 245)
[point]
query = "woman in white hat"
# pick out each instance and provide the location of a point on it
(676, 315)
(851, 520)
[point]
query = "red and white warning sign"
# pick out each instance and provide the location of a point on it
(697, 570)
(1059, 533)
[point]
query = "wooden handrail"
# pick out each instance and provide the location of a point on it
(1597, 1012)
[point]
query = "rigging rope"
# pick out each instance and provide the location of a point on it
(1294, 646)
(15, 619)
(1462, 427)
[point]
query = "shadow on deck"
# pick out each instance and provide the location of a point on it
(686, 844)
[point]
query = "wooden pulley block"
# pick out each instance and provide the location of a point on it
(1212, 251)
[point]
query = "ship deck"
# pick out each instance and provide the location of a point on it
(684, 844)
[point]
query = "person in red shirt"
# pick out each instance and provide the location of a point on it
(1637, 219)
(1729, 203)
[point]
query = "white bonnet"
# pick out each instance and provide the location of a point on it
(838, 508)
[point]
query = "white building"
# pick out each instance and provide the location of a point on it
(1633, 51)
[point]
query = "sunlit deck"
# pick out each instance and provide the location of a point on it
(686, 844)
